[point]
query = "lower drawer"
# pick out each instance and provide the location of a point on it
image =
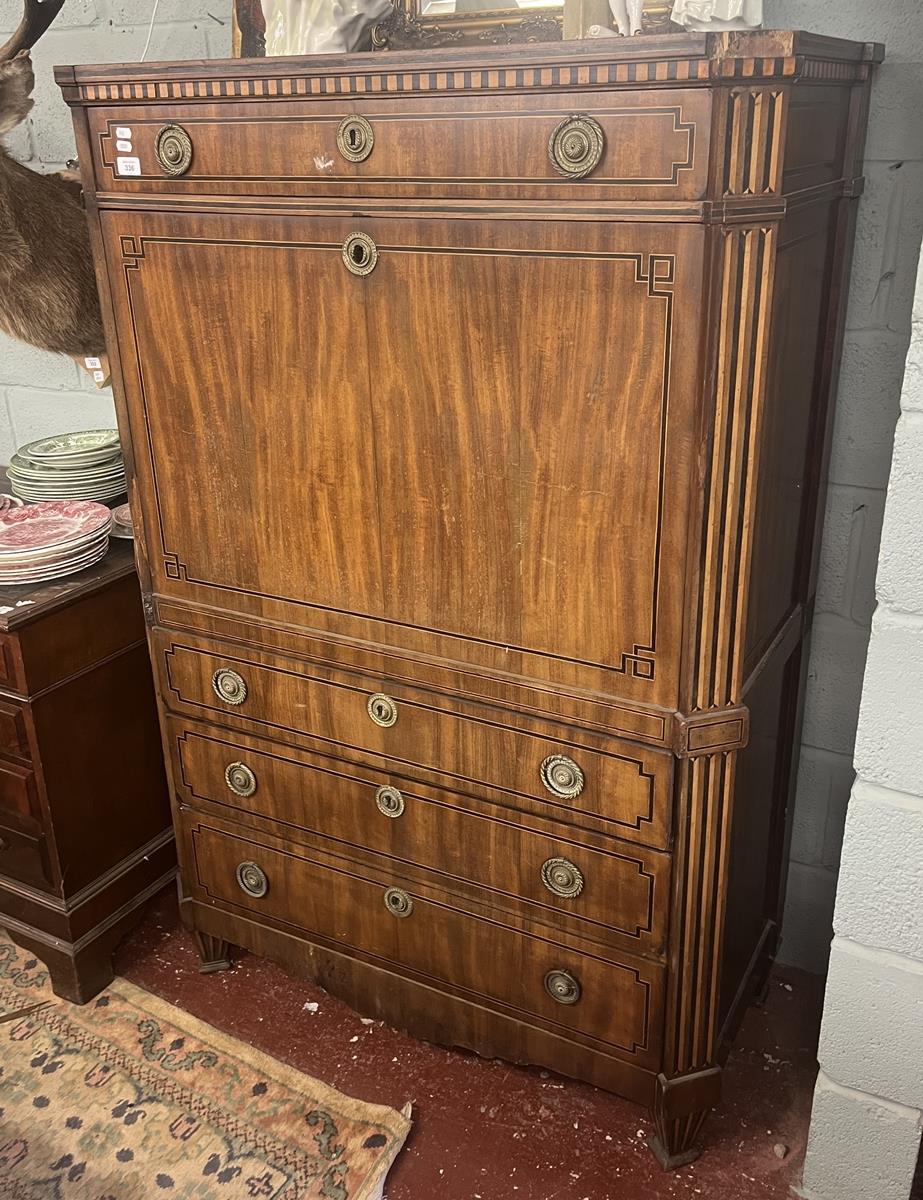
(616, 1006)
(18, 801)
(22, 857)
(612, 892)
(13, 736)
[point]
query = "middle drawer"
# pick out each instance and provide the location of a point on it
(607, 891)
(612, 785)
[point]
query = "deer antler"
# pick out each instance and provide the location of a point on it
(37, 16)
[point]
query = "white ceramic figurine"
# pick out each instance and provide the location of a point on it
(627, 14)
(718, 14)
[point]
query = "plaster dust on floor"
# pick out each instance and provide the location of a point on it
(488, 1130)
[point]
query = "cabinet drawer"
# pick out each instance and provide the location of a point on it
(612, 1005)
(611, 892)
(13, 736)
(17, 795)
(625, 788)
(653, 146)
(22, 857)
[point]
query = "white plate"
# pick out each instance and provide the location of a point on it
(46, 574)
(115, 468)
(106, 493)
(26, 559)
(79, 447)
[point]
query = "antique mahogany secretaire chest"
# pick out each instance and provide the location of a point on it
(476, 403)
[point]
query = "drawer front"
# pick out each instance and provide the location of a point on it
(617, 894)
(18, 798)
(602, 1003)
(13, 736)
(10, 676)
(625, 787)
(654, 146)
(22, 857)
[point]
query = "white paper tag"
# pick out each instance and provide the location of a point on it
(99, 376)
(128, 166)
(123, 147)
(122, 132)
(93, 364)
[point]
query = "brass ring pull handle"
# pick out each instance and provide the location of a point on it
(562, 878)
(562, 777)
(355, 139)
(240, 779)
(252, 879)
(562, 987)
(576, 147)
(173, 147)
(382, 710)
(360, 254)
(229, 686)
(389, 801)
(398, 903)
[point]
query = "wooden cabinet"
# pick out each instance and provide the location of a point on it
(477, 405)
(85, 830)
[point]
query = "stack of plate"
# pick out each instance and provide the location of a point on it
(51, 539)
(70, 466)
(121, 522)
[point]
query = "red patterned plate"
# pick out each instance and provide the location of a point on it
(51, 523)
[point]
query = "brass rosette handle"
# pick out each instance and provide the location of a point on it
(576, 146)
(562, 987)
(173, 147)
(252, 879)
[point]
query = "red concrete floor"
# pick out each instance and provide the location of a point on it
(485, 1130)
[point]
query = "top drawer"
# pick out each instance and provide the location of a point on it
(654, 147)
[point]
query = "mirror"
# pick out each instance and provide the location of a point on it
(430, 23)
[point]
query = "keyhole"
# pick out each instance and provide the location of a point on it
(353, 139)
(359, 254)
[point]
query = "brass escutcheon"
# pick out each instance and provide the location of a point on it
(382, 710)
(252, 879)
(576, 146)
(240, 779)
(398, 903)
(355, 138)
(562, 986)
(173, 147)
(389, 801)
(360, 254)
(561, 776)
(562, 878)
(229, 686)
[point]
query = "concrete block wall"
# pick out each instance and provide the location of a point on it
(43, 393)
(868, 1106)
(888, 238)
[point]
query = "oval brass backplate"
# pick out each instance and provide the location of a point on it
(562, 776)
(240, 779)
(562, 878)
(389, 801)
(382, 710)
(563, 987)
(355, 139)
(360, 254)
(398, 903)
(173, 147)
(229, 686)
(252, 879)
(576, 147)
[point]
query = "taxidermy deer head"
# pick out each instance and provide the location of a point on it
(48, 291)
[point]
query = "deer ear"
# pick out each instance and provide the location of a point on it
(16, 81)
